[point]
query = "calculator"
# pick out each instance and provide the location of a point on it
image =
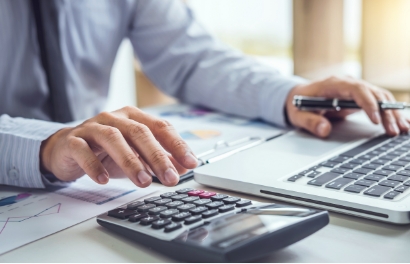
(200, 226)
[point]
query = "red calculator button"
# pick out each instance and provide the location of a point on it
(206, 195)
(195, 192)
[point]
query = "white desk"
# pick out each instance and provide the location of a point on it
(345, 239)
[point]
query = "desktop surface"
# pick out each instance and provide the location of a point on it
(345, 239)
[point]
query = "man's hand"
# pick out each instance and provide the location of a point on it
(364, 94)
(125, 142)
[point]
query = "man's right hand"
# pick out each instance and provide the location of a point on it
(125, 142)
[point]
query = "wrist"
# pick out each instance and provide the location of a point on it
(46, 152)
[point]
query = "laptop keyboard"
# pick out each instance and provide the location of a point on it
(377, 168)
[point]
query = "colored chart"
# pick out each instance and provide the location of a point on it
(14, 199)
(200, 134)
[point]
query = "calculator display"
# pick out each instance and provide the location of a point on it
(237, 228)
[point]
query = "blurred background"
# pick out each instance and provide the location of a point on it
(367, 39)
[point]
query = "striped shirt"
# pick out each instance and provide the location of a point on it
(175, 52)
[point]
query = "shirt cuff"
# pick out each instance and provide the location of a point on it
(273, 99)
(20, 140)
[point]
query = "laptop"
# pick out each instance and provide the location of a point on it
(357, 170)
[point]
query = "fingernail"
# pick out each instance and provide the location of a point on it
(321, 129)
(143, 177)
(393, 127)
(102, 178)
(170, 176)
(376, 117)
(190, 159)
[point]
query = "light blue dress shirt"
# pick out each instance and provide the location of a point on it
(175, 51)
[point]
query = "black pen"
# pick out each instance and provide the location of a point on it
(307, 103)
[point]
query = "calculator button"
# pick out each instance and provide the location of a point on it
(198, 210)
(195, 192)
(180, 216)
(121, 213)
(402, 188)
(148, 220)
(134, 205)
(161, 223)
(231, 200)
(185, 207)
(137, 217)
(214, 205)
(157, 210)
(190, 199)
(218, 197)
(145, 207)
(210, 213)
(172, 227)
(226, 208)
(174, 204)
(185, 190)
(202, 201)
(168, 194)
(151, 199)
(162, 201)
(179, 197)
(243, 203)
(168, 213)
(193, 219)
(391, 195)
(206, 195)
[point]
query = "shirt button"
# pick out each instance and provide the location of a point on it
(14, 174)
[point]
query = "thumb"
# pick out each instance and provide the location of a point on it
(314, 123)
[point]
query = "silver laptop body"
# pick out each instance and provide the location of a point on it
(265, 171)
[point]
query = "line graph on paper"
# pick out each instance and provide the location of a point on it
(55, 209)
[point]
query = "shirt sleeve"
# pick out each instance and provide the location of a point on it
(20, 141)
(186, 62)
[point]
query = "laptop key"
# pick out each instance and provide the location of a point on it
(358, 161)
(400, 163)
(405, 158)
(329, 164)
(391, 168)
(340, 170)
(354, 188)
(366, 183)
(313, 174)
(349, 166)
(372, 166)
(365, 146)
(377, 191)
(362, 171)
(407, 183)
(324, 178)
(399, 178)
(383, 172)
(380, 161)
(388, 183)
(374, 177)
(295, 178)
(402, 188)
(339, 183)
(353, 176)
(339, 159)
(391, 195)
(387, 157)
(367, 157)
(405, 172)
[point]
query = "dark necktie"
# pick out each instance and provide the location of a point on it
(46, 18)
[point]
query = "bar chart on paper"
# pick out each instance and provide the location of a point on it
(28, 215)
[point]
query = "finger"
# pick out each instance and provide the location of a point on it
(358, 91)
(388, 119)
(112, 141)
(143, 141)
(87, 160)
(340, 114)
(400, 119)
(166, 134)
(316, 124)
(181, 169)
